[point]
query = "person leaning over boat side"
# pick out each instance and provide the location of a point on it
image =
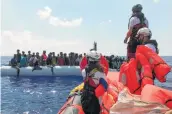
(94, 77)
(136, 21)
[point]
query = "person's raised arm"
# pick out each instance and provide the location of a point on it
(130, 29)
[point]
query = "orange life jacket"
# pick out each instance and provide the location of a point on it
(146, 72)
(110, 97)
(158, 65)
(70, 106)
(130, 77)
(151, 93)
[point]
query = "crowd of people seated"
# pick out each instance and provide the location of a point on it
(61, 59)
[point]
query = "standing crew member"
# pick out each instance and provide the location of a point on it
(136, 21)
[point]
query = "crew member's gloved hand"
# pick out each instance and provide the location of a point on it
(125, 40)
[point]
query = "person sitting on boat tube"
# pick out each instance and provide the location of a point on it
(146, 66)
(23, 61)
(31, 59)
(14, 64)
(44, 58)
(13, 61)
(36, 62)
(18, 55)
(93, 77)
(29, 56)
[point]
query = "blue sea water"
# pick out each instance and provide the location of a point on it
(43, 95)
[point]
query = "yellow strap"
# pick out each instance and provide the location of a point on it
(93, 71)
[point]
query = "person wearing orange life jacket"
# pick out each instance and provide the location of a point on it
(136, 21)
(94, 79)
(149, 49)
(144, 38)
(137, 73)
(131, 77)
(146, 66)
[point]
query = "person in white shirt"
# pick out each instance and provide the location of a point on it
(144, 37)
(136, 21)
(35, 62)
(31, 59)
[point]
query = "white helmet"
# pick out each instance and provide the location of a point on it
(144, 31)
(93, 56)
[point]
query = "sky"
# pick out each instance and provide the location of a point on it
(73, 25)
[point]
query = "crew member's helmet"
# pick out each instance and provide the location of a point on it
(137, 8)
(93, 56)
(146, 32)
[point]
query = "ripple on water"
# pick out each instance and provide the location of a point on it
(30, 95)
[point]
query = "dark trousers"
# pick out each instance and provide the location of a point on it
(90, 103)
(131, 48)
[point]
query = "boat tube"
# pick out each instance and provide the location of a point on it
(118, 99)
(42, 71)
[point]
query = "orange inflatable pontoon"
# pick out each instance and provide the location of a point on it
(150, 93)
